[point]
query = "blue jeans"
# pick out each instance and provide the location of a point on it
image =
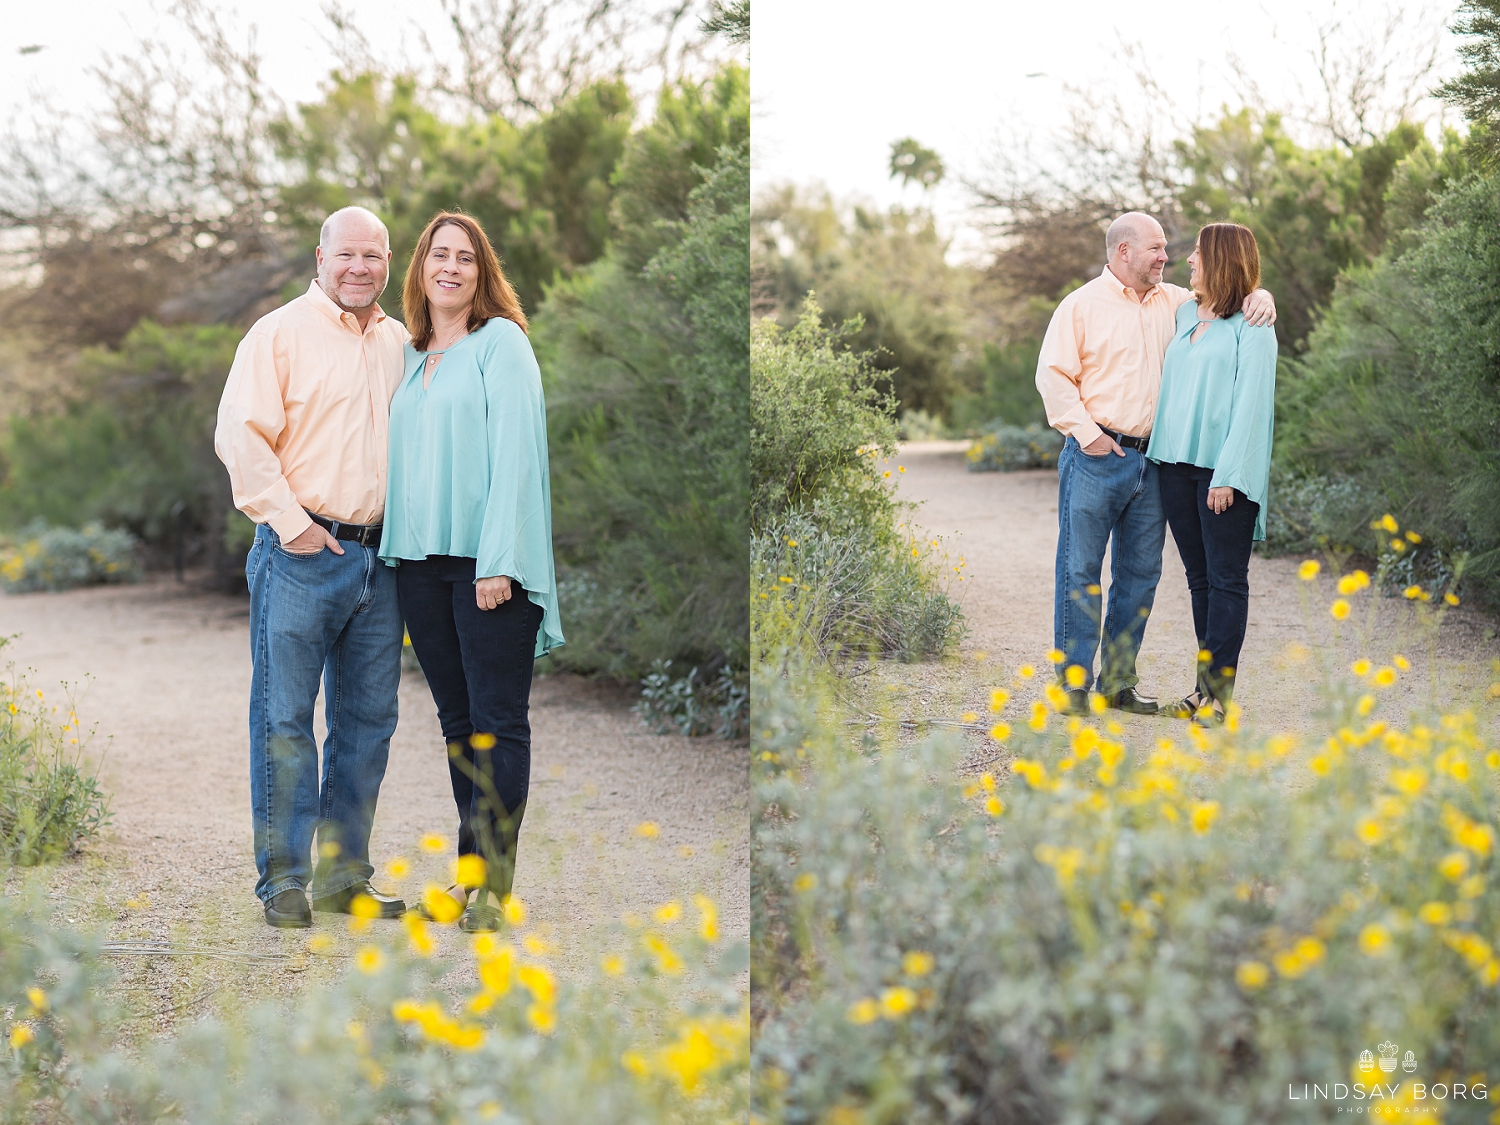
(1100, 497)
(333, 617)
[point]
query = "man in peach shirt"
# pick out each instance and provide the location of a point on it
(302, 430)
(1099, 374)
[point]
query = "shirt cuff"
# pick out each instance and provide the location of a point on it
(1085, 433)
(290, 524)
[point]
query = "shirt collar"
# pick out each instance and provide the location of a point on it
(1107, 275)
(324, 304)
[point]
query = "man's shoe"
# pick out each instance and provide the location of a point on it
(1128, 700)
(288, 910)
(340, 902)
(1078, 702)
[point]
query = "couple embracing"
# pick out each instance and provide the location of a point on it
(396, 474)
(1166, 400)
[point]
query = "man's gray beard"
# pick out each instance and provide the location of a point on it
(339, 300)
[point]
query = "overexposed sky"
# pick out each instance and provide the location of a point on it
(835, 82)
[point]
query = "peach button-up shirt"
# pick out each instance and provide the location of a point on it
(1101, 358)
(304, 416)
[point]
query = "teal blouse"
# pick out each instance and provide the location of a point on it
(1218, 404)
(468, 466)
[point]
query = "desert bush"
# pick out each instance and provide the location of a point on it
(1004, 448)
(835, 585)
(655, 1032)
(50, 802)
(1076, 929)
(692, 704)
(39, 557)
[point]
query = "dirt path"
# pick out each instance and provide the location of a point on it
(170, 679)
(1004, 527)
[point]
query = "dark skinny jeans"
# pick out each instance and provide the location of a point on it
(478, 664)
(1215, 550)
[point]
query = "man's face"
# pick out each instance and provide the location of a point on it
(354, 266)
(1144, 257)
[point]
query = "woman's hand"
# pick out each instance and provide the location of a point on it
(490, 592)
(1219, 500)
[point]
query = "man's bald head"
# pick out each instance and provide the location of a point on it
(359, 223)
(1137, 250)
(354, 259)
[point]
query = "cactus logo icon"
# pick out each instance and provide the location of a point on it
(1409, 1063)
(1366, 1062)
(1388, 1056)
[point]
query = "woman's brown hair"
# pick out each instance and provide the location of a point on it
(493, 295)
(1228, 267)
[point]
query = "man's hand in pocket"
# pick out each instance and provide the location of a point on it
(313, 540)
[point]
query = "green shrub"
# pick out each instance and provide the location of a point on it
(655, 1032)
(39, 557)
(841, 584)
(692, 704)
(1005, 449)
(49, 804)
(1006, 382)
(1309, 513)
(646, 390)
(1092, 931)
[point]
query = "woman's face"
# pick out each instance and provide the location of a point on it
(1193, 259)
(450, 275)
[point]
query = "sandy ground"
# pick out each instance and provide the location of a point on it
(164, 675)
(1002, 527)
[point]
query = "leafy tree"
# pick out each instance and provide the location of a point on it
(1477, 91)
(915, 164)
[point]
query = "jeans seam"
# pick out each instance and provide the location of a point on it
(263, 653)
(330, 744)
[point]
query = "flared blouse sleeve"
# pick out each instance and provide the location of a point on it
(1244, 460)
(515, 537)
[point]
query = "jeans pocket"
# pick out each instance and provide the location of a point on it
(301, 554)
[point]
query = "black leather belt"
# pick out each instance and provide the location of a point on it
(365, 534)
(1126, 441)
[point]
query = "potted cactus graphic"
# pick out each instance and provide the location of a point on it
(1409, 1063)
(1366, 1062)
(1388, 1056)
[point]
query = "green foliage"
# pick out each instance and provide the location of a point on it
(915, 164)
(1399, 390)
(542, 192)
(646, 384)
(664, 1040)
(49, 804)
(1005, 449)
(133, 447)
(817, 417)
(1173, 933)
(833, 569)
(1004, 379)
(1477, 90)
(60, 558)
(1315, 212)
(689, 705)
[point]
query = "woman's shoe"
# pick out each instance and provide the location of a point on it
(1192, 706)
(479, 916)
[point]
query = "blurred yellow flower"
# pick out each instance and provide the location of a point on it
(514, 910)
(1251, 975)
(1451, 599)
(482, 740)
(20, 1035)
(469, 870)
(708, 918)
(668, 912)
(439, 905)
(495, 972)
(1074, 676)
(1339, 609)
(1435, 913)
(1054, 656)
(863, 1012)
(1388, 524)
(1374, 940)
(398, 869)
(1454, 866)
(636, 1063)
(648, 829)
(432, 843)
(917, 964)
(1361, 667)
(1204, 814)
(1385, 677)
(1308, 571)
(368, 959)
(538, 981)
(319, 943)
(1370, 831)
(363, 906)
(994, 806)
(612, 964)
(38, 1000)
(1026, 671)
(969, 717)
(1413, 537)
(1412, 593)
(998, 699)
(896, 1002)
(1000, 732)
(804, 882)
(536, 946)
(1409, 781)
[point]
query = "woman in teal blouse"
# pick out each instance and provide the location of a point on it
(468, 521)
(1212, 441)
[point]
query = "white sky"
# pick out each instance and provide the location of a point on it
(835, 82)
(291, 36)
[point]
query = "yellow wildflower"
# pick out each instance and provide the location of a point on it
(1000, 732)
(1307, 572)
(536, 946)
(917, 964)
(668, 912)
(495, 972)
(1454, 866)
(1374, 940)
(542, 1017)
(514, 910)
(804, 882)
(1385, 677)
(1074, 676)
(1361, 667)
(38, 1000)
(398, 869)
(20, 1035)
(1388, 524)
(896, 1002)
(1451, 599)
(994, 806)
(1026, 671)
(439, 905)
(469, 870)
(863, 1012)
(1435, 913)
(1204, 813)
(636, 1063)
(1251, 975)
(1339, 609)
(368, 959)
(1370, 831)
(1054, 656)
(434, 844)
(648, 830)
(1412, 593)
(708, 918)
(612, 964)
(970, 717)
